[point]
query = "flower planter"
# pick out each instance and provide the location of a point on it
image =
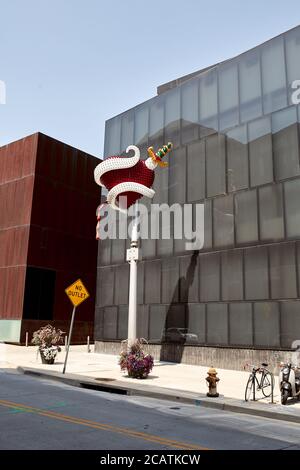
(45, 360)
(135, 361)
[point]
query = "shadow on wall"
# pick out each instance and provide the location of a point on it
(176, 329)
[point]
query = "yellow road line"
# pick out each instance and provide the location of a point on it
(103, 426)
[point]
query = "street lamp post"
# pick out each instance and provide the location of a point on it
(132, 256)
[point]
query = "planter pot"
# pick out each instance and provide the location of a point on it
(46, 361)
(135, 375)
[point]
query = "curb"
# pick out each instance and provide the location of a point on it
(233, 405)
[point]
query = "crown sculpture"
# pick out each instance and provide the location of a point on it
(127, 179)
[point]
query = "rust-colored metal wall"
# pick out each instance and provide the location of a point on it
(17, 166)
(62, 234)
(48, 202)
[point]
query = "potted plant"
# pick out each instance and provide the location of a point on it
(48, 339)
(133, 359)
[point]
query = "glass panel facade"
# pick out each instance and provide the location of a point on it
(260, 152)
(273, 75)
(283, 271)
(210, 277)
(237, 159)
(271, 212)
(196, 171)
(215, 165)
(292, 45)
(232, 275)
(236, 150)
(256, 273)
(285, 143)
(266, 324)
(241, 324)
(246, 217)
(208, 101)
(292, 195)
(189, 111)
(228, 95)
(217, 324)
(141, 126)
(290, 323)
(172, 117)
(250, 86)
(223, 221)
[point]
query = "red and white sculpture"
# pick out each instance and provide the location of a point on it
(129, 178)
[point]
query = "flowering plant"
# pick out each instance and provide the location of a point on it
(47, 339)
(135, 361)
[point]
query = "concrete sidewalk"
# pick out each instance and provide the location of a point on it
(167, 380)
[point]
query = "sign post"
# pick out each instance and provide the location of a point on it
(77, 294)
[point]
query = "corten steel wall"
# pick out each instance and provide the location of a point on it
(17, 165)
(62, 232)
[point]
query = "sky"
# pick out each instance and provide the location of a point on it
(69, 65)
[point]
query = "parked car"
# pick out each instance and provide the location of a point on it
(179, 335)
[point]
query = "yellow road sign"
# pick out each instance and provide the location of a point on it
(77, 293)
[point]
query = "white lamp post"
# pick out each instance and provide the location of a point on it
(132, 256)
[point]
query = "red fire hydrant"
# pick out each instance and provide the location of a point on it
(212, 380)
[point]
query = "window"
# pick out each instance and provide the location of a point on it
(210, 277)
(105, 286)
(152, 282)
(223, 221)
(39, 294)
(207, 224)
(189, 110)
(237, 159)
(292, 197)
(266, 324)
(123, 322)
(217, 324)
(246, 217)
(273, 75)
(283, 271)
(122, 284)
(208, 101)
(292, 42)
(195, 322)
(232, 275)
(127, 130)
(110, 323)
(215, 165)
(172, 116)
(112, 137)
(189, 279)
(177, 176)
(240, 324)
(141, 125)
(228, 95)
(271, 212)
(256, 273)
(157, 322)
(250, 86)
(260, 152)
(156, 121)
(290, 323)
(285, 143)
(196, 171)
(170, 280)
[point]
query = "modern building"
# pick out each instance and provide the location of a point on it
(235, 131)
(47, 236)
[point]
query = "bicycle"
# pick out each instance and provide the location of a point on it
(265, 383)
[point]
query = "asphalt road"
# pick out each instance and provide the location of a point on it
(41, 414)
